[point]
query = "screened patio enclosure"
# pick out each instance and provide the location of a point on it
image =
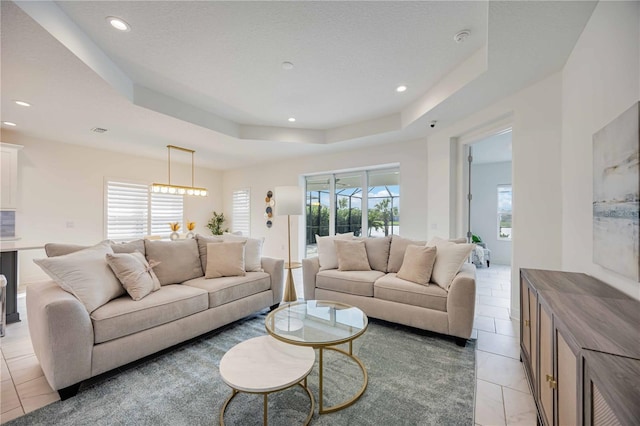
(335, 204)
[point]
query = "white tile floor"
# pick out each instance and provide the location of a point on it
(502, 393)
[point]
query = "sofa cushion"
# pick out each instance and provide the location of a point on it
(134, 273)
(58, 249)
(352, 255)
(225, 260)
(449, 260)
(396, 252)
(177, 261)
(359, 283)
(202, 248)
(252, 251)
(395, 289)
(327, 255)
(227, 289)
(85, 274)
(124, 316)
(418, 264)
(128, 247)
(378, 252)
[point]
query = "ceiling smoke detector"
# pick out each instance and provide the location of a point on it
(98, 130)
(287, 66)
(461, 36)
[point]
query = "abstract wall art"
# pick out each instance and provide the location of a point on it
(616, 189)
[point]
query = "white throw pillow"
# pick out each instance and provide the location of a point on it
(327, 255)
(225, 260)
(252, 251)
(135, 273)
(85, 274)
(449, 260)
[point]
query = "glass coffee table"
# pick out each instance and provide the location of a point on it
(321, 325)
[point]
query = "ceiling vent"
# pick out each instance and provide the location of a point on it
(98, 130)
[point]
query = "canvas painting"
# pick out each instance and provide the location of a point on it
(616, 188)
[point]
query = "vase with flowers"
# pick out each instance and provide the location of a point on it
(190, 227)
(175, 226)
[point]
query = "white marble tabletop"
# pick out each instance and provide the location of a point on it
(264, 364)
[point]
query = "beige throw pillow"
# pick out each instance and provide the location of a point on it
(417, 265)
(449, 260)
(396, 253)
(252, 251)
(352, 255)
(378, 252)
(225, 260)
(202, 248)
(85, 274)
(135, 273)
(178, 261)
(327, 256)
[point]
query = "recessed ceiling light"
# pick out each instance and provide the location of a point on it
(9, 123)
(287, 66)
(23, 103)
(401, 89)
(118, 23)
(292, 119)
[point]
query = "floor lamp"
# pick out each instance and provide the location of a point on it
(289, 202)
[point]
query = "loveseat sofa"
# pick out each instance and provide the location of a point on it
(445, 307)
(74, 343)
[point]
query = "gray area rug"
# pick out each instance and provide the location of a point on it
(415, 378)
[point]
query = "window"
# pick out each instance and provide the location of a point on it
(336, 204)
(504, 212)
(133, 212)
(241, 214)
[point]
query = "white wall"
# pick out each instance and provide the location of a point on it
(601, 80)
(535, 116)
(60, 183)
(485, 179)
(412, 157)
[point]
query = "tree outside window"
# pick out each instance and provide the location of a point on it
(504, 212)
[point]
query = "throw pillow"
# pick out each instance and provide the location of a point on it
(57, 249)
(327, 256)
(225, 260)
(202, 248)
(449, 260)
(85, 274)
(128, 247)
(352, 255)
(378, 252)
(417, 264)
(135, 273)
(252, 251)
(396, 252)
(177, 261)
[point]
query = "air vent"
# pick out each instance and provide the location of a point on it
(98, 130)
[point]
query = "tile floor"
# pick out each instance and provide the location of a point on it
(502, 392)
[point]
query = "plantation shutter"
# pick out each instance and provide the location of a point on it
(165, 209)
(127, 207)
(241, 218)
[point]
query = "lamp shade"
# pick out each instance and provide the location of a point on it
(288, 200)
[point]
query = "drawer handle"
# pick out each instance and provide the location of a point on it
(552, 383)
(527, 323)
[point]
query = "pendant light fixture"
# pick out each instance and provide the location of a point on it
(168, 188)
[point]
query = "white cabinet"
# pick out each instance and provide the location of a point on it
(9, 176)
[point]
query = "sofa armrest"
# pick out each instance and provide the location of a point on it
(275, 268)
(61, 334)
(310, 268)
(461, 302)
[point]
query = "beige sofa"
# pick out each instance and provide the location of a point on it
(381, 294)
(73, 344)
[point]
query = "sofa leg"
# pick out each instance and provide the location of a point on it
(461, 341)
(69, 391)
(488, 263)
(274, 307)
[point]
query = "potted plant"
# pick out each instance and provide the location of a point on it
(215, 224)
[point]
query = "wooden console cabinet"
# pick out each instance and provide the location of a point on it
(580, 345)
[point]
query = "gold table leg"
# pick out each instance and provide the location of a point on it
(350, 401)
